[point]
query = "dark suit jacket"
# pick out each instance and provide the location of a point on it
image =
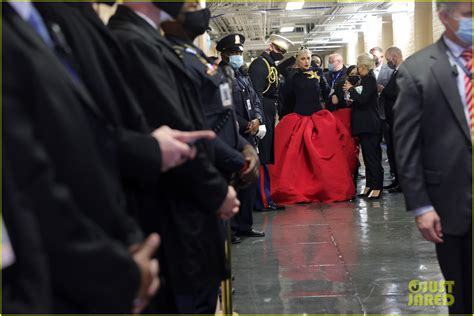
(432, 139)
(388, 97)
(134, 160)
(133, 157)
(188, 196)
(365, 114)
(26, 285)
(338, 91)
(56, 165)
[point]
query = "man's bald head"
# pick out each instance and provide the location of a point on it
(394, 57)
(394, 51)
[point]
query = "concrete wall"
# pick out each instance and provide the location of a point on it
(438, 27)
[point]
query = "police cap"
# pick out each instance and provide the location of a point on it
(231, 42)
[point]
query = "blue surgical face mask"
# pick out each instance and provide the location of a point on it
(331, 67)
(464, 33)
(236, 61)
(208, 41)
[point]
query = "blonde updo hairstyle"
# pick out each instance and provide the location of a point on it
(367, 61)
(300, 53)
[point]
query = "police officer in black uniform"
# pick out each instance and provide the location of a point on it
(235, 155)
(265, 77)
(251, 125)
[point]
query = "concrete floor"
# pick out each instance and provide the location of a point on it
(351, 257)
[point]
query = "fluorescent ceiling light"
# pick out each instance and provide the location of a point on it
(287, 29)
(294, 5)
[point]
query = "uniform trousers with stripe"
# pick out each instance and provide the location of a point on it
(264, 198)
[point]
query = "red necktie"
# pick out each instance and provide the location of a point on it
(467, 56)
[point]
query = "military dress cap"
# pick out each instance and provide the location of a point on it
(232, 42)
(280, 41)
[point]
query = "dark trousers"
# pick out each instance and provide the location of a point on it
(204, 301)
(388, 135)
(455, 260)
(372, 154)
(264, 198)
(243, 221)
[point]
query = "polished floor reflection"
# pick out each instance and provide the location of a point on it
(352, 257)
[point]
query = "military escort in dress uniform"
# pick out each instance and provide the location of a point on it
(251, 126)
(265, 77)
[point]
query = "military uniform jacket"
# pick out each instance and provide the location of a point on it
(52, 151)
(184, 209)
(215, 92)
(265, 78)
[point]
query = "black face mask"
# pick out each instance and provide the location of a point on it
(172, 8)
(391, 65)
(276, 56)
(196, 22)
(354, 80)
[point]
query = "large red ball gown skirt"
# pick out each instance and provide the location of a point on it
(315, 158)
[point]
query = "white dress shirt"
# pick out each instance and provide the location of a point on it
(456, 51)
(23, 8)
(377, 71)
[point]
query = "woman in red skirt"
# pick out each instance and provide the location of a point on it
(315, 157)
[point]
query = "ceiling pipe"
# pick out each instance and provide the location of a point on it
(272, 10)
(365, 12)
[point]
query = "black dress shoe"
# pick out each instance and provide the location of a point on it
(391, 185)
(251, 233)
(395, 189)
(278, 207)
(271, 208)
(235, 240)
